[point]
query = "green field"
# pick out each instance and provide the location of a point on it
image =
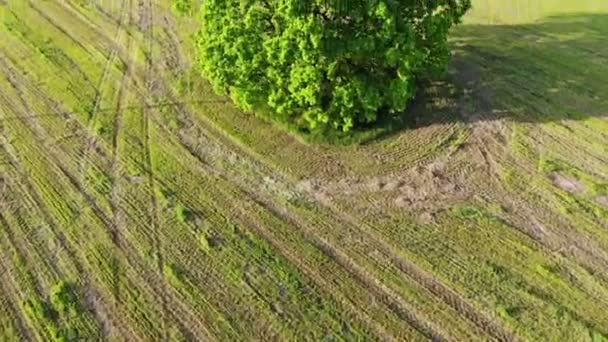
(137, 205)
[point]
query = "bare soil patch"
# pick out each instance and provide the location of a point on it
(603, 200)
(567, 184)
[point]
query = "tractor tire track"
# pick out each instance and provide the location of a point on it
(413, 272)
(394, 302)
(58, 27)
(183, 311)
(452, 300)
(146, 25)
(9, 287)
(89, 202)
(107, 222)
(397, 307)
(427, 282)
(275, 241)
(65, 63)
(23, 229)
(105, 77)
(431, 284)
(107, 69)
(130, 253)
(64, 242)
(114, 165)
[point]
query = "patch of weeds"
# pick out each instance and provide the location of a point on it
(184, 83)
(165, 197)
(214, 240)
(453, 142)
(122, 66)
(100, 129)
(99, 180)
(59, 317)
(597, 336)
(42, 315)
(175, 274)
(134, 169)
(600, 189)
(182, 7)
(552, 165)
(468, 212)
(578, 205)
(203, 241)
(508, 312)
(496, 270)
(87, 109)
(183, 214)
(459, 140)
(152, 255)
(176, 334)
(539, 294)
(64, 299)
(169, 115)
(84, 3)
(509, 176)
(577, 326)
(299, 201)
(548, 271)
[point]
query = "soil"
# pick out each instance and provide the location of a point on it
(567, 184)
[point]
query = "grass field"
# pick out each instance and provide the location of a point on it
(137, 205)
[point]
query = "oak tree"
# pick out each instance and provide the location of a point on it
(323, 64)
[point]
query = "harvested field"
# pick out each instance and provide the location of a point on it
(138, 205)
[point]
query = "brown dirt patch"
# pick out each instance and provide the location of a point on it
(567, 184)
(603, 200)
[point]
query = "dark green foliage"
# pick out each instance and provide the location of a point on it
(55, 317)
(42, 315)
(64, 299)
(182, 213)
(321, 65)
(175, 274)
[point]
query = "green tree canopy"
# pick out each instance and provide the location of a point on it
(325, 64)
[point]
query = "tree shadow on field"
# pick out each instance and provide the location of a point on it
(552, 70)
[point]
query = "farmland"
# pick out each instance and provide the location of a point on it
(137, 205)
